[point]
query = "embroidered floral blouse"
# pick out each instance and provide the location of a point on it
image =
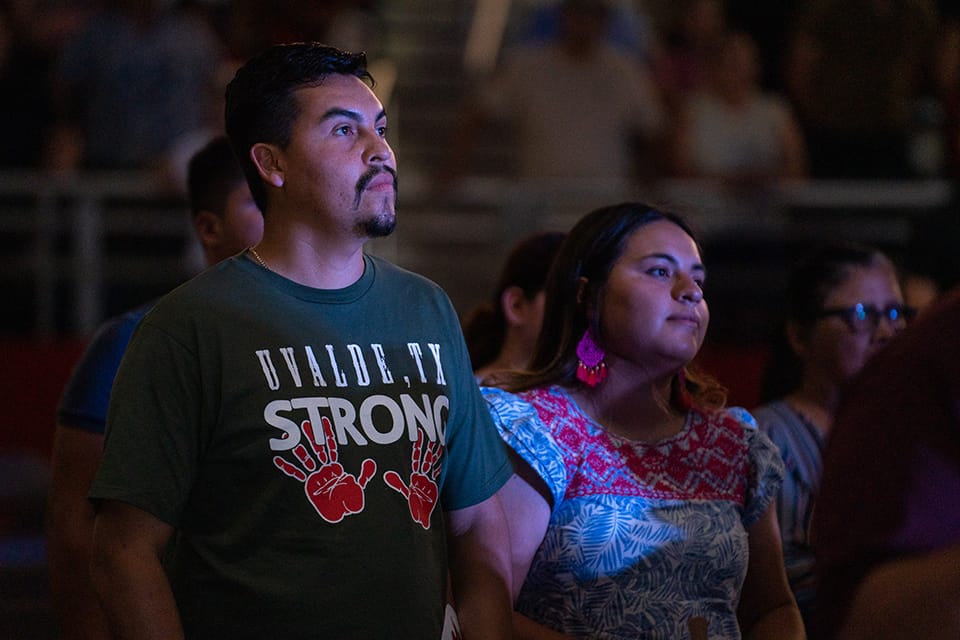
(641, 537)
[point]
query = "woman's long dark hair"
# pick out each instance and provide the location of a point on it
(589, 252)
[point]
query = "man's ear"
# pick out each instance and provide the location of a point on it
(209, 228)
(269, 162)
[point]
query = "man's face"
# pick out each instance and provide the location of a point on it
(338, 165)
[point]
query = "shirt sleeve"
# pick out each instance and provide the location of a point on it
(477, 464)
(766, 473)
(86, 397)
(153, 440)
(523, 431)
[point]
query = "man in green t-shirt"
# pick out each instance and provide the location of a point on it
(295, 446)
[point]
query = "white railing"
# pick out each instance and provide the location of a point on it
(58, 229)
(64, 234)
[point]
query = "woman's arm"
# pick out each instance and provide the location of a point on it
(526, 501)
(767, 607)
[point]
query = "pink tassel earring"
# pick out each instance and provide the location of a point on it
(591, 370)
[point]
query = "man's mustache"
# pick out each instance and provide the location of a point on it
(373, 173)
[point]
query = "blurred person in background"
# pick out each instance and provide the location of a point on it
(580, 109)
(853, 74)
(628, 27)
(32, 33)
(500, 334)
(843, 304)
(886, 530)
(133, 80)
(730, 130)
(226, 221)
(691, 35)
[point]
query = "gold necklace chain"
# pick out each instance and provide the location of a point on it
(256, 256)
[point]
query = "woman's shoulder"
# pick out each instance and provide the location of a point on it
(734, 425)
(548, 409)
(777, 420)
(527, 400)
(737, 419)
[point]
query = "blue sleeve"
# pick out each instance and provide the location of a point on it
(766, 474)
(86, 397)
(522, 430)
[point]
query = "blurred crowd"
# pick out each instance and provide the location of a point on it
(138, 84)
(733, 90)
(741, 92)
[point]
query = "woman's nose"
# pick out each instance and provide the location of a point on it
(885, 329)
(688, 290)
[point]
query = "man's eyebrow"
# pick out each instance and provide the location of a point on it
(356, 116)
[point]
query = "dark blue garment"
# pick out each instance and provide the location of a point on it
(87, 395)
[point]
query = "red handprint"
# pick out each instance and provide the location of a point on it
(422, 493)
(333, 492)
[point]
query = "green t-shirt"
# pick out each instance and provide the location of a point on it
(280, 534)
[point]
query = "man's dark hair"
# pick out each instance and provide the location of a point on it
(212, 174)
(260, 101)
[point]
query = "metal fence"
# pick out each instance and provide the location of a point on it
(78, 248)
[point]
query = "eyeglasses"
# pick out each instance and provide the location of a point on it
(865, 318)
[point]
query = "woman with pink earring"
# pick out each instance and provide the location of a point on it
(640, 506)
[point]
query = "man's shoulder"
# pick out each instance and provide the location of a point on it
(394, 274)
(222, 279)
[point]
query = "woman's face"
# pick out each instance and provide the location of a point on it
(652, 311)
(834, 352)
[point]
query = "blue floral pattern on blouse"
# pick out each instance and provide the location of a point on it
(641, 537)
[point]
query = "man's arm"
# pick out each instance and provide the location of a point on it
(76, 455)
(128, 576)
(479, 551)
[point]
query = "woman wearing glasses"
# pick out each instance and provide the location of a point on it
(843, 303)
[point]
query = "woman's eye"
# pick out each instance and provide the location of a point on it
(660, 272)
